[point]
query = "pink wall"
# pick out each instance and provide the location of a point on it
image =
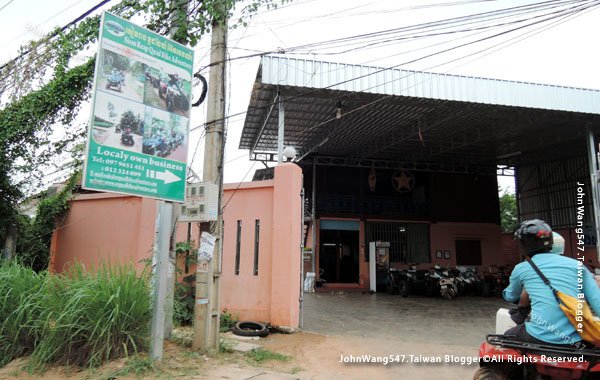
(245, 294)
(104, 227)
(443, 236)
(120, 229)
(272, 295)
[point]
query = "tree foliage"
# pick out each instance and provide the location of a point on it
(508, 212)
(46, 85)
(33, 244)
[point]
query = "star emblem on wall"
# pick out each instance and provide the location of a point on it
(403, 181)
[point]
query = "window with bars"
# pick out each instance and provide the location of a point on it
(409, 242)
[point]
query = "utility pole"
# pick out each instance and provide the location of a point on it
(159, 278)
(178, 17)
(164, 258)
(206, 307)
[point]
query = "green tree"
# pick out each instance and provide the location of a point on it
(43, 89)
(508, 211)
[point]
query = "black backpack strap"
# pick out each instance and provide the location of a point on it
(544, 278)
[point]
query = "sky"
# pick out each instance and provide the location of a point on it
(561, 55)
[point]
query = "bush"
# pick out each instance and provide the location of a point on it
(92, 318)
(77, 318)
(20, 292)
(183, 305)
(227, 321)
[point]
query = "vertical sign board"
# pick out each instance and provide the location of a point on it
(138, 134)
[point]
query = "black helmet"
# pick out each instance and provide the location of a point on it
(535, 236)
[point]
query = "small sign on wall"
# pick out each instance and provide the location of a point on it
(202, 266)
(207, 246)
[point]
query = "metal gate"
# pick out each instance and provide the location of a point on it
(409, 242)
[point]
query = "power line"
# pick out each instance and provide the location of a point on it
(572, 9)
(6, 5)
(299, 133)
(38, 25)
(461, 20)
(62, 29)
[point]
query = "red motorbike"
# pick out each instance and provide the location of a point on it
(513, 359)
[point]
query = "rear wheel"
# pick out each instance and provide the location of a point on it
(403, 289)
(486, 289)
(391, 286)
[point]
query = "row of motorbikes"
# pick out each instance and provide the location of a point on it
(448, 282)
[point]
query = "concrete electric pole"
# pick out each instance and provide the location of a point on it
(206, 307)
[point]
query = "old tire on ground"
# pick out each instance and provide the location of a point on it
(249, 328)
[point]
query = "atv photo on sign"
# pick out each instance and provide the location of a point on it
(167, 88)
(165, 135)
(121, 76)
(118, 124)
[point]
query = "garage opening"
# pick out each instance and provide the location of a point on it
(338, 256)
(468, 252)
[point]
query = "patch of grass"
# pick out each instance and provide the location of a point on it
(261, 355)
(191, 354)
(136, 365)
(295, 370)
(21, 291)
(225, 346)
(90, 318)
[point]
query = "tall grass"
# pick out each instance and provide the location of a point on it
(21, 290)
(77, 318)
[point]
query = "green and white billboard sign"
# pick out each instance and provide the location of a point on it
(138, 135)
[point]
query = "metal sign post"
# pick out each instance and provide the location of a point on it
(138, 133)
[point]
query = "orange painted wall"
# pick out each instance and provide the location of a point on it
(245, 294)
(120, 229)
(286, 255)
(108, 228)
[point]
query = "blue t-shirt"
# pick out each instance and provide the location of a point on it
(570, 276)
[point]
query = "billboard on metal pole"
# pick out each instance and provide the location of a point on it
(138, 134)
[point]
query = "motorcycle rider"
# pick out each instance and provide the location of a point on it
(522, 313)
(547, 323)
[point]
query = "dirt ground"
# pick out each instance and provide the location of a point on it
(408, 332)
(312, 356)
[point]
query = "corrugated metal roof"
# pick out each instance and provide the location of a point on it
(418, 119)
(286, 71)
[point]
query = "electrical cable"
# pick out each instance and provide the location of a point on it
(594, 3)
(524, 8)
(62, 29)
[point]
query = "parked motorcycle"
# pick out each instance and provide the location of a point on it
(407, 281)
(471, 280)
(494, 281)
(449, 285)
